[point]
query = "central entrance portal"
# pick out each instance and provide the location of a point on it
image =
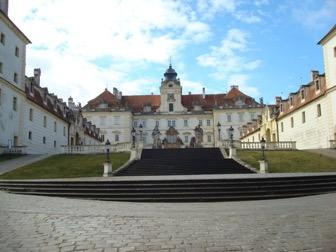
(172, 140)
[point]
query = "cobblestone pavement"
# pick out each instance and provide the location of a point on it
(36, 223)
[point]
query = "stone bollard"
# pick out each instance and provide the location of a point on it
(263, 166)
(107, 169)
(232, 152)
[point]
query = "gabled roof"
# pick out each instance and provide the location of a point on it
(11, 24)
(328, 36)
(136, 103)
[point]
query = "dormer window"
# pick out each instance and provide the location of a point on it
(302, 93)
(317, 84)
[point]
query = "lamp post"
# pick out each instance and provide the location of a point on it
(263, 145)
(231, 130)
(107, 151)
(263, 163)
(219, 130)
(107, 163)
(133, 133)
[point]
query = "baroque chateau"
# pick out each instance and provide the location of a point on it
(33, 120)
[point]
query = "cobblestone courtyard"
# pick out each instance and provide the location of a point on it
(32, 223)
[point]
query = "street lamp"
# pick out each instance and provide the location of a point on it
(219, 130)
(231, 129)
(133, 133)
(107, 150)
(140, 130)
(263, 145)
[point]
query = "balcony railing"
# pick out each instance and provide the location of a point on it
(90, 149)
(333, 144)
(284, 145)
(13, 149)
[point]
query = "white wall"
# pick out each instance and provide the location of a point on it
(10, 62)
(330, 61)
(10, 123)
(312, 134)
(36, 126)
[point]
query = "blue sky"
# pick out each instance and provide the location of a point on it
(267, 47)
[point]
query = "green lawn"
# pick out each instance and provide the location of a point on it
(5, 157)
(290, 161)
(67, 166)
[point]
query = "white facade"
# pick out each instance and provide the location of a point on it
(12, 72)
(43, 131)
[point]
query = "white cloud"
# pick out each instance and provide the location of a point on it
(209, 8)
(226, 59)
(315, 15)
(68, 36)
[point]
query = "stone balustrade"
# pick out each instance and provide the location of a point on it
(89, 149)
(333, 144)
(283, 145)
(13, 150)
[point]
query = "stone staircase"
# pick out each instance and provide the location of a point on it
(178, 190)
(182, 162)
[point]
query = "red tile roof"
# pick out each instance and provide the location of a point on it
(136, 103)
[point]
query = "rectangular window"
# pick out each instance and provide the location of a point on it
(31, 114)
(186, 139)
(171, 107)
(55, 126)
(174, 123)
(17, 51)
(317, 85)
(14, 103)
(2, 38)
(15, 78)
(241, 117)
(281, 107)
(291, 101)
(102, 120)
(282, 127)
(144, 124)
(44, 140)
(292, 122)
(1, 66)
(252, 115)
(116, 138)
(171, 123)
(208, 122)
(302, 94)
(157, 123)
(63, 131)
(229, 118)
(209, 138)
(30, 135)
(116, 120)
(44, 121)
(54, 144)
(200, 122)
(303, 116)
(135, 124)
(170, 97)
(185, 123)
(319, 112)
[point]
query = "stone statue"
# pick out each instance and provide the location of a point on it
(156, 138)
(199, 136)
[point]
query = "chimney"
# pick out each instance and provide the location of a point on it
(261, 100)
(278, 100)
(203, 93)
(189, 93)
(234, 86)
(115, 91)
(4, 6)
(37, 75)
(314, 73)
